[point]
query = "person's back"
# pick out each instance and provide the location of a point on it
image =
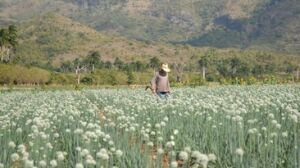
(160, 82)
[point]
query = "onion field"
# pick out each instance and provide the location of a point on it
(221, 127)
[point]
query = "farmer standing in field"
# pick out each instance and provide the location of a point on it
(160, 82)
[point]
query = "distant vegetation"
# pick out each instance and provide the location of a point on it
(52, 49)
(8, 41)
(271, 25)
(93, 70)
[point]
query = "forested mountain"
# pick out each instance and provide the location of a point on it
(274, 27)
(260, 24)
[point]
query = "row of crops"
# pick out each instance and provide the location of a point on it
(242, 127)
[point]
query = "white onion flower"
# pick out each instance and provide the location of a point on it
(103, 154)
(60, 156)
(294, 118)
(29, 164)
(53, 163)
(19, 130)
(285, 134)
(11, 144)
(84, 152)
(79, 165)
(160, 139)
(119, 153)
(90, 160)
(196, 155)
(170, 144)
(42, 163)
(239, 151)
(160, 151)
(174, 164)
(183, 155)
(150, 144)
(163, 124)
(175, 132)
(273, 134)
(212, 157)
(14, 157)
(56, 135)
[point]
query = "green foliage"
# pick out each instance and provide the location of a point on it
(197, 81)
(130, 77)
(93, 60)
(258, 70)
(112, 80)
(78, 87)
(154, 62)
(15, 74)
(118, 63)
(251, 80)
(8, 41)
(87, 80)
(203, 62)
(62, 79)
(270, 80)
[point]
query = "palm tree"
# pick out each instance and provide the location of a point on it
(8, 40)
(203, 62)
(3, 42)
(235, 63)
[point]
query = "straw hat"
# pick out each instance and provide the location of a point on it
(165, 67)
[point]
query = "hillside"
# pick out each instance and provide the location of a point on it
(218, 23)
(53, 39)
(280, 27)
(275, 27)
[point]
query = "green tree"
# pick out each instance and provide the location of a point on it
(270, 68)
(223, 68)
(130, 77)
(118, 63)
(8, 41)
(108, 65)
(3, 42)
(205, 60)
(88, 80)
(66, 66)
(112, 79)
(12, 35)
(297, 72)
(154, 62)
(203, 63)
(290, 68)
(93, 60)
(258, 70)
(243, 70)
(235, 63)
(137, 66)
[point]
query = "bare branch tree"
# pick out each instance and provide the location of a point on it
(78, 71)
(179, 71)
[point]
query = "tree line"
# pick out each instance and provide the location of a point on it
(208, 67)
(235, 67)
(94, 61)
(8, 42)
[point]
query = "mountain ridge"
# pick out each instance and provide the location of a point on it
(240, 24)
